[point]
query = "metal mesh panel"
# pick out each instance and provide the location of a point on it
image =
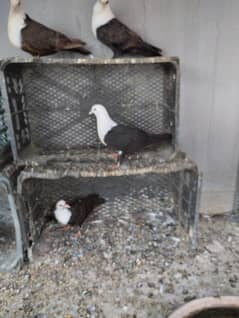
(59, 98)
(155, 193)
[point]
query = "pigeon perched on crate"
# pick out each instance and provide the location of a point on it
(124, 139)
(74, 212)
(117, 36)
(37, 39)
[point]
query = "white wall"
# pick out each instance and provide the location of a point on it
(205, 35)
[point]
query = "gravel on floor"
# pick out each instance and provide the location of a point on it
(134, 266)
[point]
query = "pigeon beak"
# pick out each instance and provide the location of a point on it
(91, 112)
(67, 206)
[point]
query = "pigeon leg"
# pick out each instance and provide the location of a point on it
(117, 54)
(36, 58)
(115, 155)
(61, 228)
(118, 156)
(78, 234)
(66, 228)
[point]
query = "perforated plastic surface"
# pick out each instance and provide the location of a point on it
(8, 251)
(54, 100)
(3, 127)
(172, 193)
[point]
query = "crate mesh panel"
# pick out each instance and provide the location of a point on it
(7, 232)
(59, 97)
(3, 127)
(18, 107)
(151, 193)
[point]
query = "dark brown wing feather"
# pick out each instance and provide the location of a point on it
(126, 139)
(122, 40)
(117, 35)
(82, 207)
(130, 140)
(39, 40)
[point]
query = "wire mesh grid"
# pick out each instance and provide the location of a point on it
(172, 194)
(8, 250)
(3, 127)
(50, 102)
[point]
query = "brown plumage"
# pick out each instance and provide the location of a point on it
(39, 40)
(116, 35)
(36, 38)
(81, 208)
(124, 41)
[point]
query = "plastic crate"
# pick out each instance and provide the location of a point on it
(48, 102)
(4, 141)
(13, 243)
(56, 148)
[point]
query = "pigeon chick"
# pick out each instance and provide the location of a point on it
(77, 210)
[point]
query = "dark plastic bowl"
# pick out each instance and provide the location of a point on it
(222, 307)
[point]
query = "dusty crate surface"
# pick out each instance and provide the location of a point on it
(100, 163)
(122, 268)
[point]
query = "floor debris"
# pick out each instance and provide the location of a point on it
(133, 269)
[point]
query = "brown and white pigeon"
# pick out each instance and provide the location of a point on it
(37, 39)
(116, 35)
(75, 211)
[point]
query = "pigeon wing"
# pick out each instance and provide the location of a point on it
(118, 35)
(40, 40)
(127, 139)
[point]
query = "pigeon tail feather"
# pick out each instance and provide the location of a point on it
(76, 45)
(81, 50)
(93, 200)
(77, 42)
(150, 50)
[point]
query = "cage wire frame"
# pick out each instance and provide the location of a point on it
(21, 139)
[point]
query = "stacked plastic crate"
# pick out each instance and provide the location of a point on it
(11, 242)
(55, 147)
